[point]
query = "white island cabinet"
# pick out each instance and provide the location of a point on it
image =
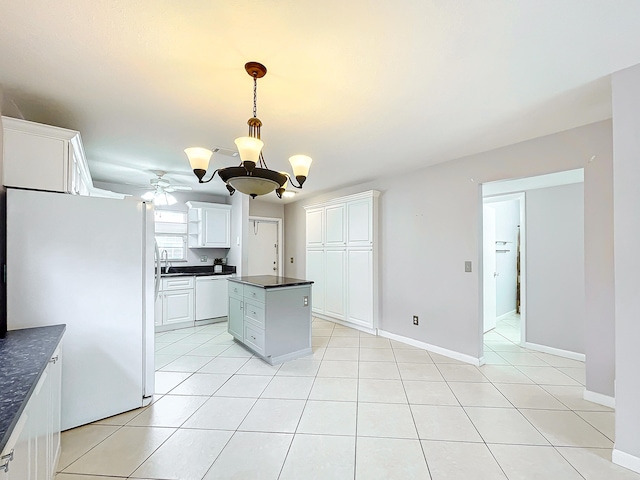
(271, 316)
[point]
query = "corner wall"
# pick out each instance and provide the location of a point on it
(430, 224)
(626, 227)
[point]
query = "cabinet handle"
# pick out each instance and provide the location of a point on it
(53, 359)
(7, 458)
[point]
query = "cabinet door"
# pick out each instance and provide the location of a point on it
(236, 318)
(315, 227)
(177, 307)
(216, 227)
(334, 225)
(334, 294)
(55, 408)
(211, 298)
(360, 287)
(34, 161)
(316, 273)
(360, 223)
(21, 467)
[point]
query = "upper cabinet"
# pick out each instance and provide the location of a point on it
(209, 225)
(347, 221)
(43, 157)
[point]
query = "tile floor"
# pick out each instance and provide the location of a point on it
(361, 407)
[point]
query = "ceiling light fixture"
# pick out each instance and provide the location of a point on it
(252, 177)
(159, 197)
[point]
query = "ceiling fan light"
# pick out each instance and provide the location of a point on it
(300, 165)
(199, 157)
(148, 196)
(249, 149)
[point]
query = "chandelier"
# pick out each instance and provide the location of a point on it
(252, 177)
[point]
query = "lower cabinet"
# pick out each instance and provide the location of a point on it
(33, 449)
(187, 299)
(236, 317)
(275, 323)
(175, 302)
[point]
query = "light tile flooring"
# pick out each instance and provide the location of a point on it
(361, 407)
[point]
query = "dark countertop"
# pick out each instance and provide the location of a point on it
(270, 281)
(197, 271)
(24, 354)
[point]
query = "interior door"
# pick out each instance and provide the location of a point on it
(489, 267)
(263, 248)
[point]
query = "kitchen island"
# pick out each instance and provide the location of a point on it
(271, 316)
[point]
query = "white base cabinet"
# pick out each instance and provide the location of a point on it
(33, 449)
(342, 256)
(175, 302)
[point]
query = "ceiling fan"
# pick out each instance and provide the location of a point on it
(160, 190)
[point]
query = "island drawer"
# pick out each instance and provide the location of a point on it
(254, 293)
(235, 289)
(254, 313)
(254, 338)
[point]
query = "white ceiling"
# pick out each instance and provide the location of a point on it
(365, 88)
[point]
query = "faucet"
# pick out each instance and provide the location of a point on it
(165, 256)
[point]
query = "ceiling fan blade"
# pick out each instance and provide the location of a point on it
(183, 188)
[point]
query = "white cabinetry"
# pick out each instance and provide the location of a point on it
(176, 301)
(342, 259)
(211, 297)
(33, 449)
(43, 157)
(209, 225)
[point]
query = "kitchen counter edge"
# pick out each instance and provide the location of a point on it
(24, 355)
(271, 281)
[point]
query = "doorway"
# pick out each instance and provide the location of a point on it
(503, 267)
(265, 240)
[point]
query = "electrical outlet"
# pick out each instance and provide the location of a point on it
(291, 259)
(467, 266)
(305, 301)
(203, 258)
(415, 320)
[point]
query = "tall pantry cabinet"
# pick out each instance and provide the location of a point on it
(341, 243)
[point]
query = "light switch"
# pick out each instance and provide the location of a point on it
(467, 266)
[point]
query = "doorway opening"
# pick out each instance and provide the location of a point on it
(503, 267)
(532, 258)
(265, 246)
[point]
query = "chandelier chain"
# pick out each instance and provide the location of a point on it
(255, 96)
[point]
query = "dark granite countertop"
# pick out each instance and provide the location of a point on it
(270, 281)
(197, 271)
(24, 354)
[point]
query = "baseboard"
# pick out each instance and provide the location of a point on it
(599, 398)
(372, 331)
(625, 460)
(432, 348)
(555, 351)
(505, 315)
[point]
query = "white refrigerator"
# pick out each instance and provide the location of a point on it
(89, 263)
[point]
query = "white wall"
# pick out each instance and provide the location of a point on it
(259, 208)
(430, 224)
(555, 314)
(239, 232)
(193, 254)
(626, 201)
(507, 221)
